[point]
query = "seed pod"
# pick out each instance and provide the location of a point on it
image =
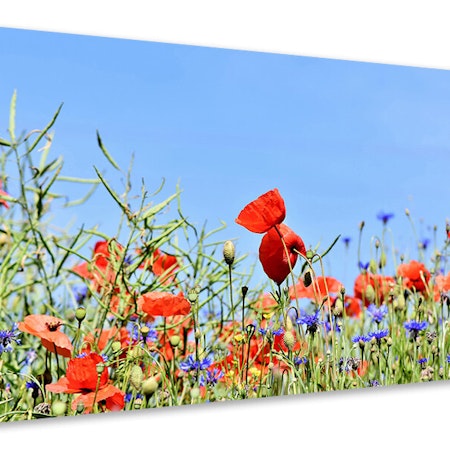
(149, 386)
(289, 339)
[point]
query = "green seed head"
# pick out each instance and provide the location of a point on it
(116, 346)
(370, 293)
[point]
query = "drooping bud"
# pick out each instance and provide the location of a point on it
(229, 252)
(373, 266)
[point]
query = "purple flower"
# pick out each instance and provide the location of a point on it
(7, 337)
(211, 377)
(414, 327)
(191, 364)
(377, 313)
(311, 321)
(379, 334)
(385, 217)
(356, 339)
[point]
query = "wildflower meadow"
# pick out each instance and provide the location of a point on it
(163, 313)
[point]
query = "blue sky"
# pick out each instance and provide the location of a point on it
(341, 140)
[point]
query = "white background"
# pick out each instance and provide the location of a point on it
(402, 32)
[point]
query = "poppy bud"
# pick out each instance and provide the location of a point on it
(370, 293)
(400, 302)
(307, 278)
(244, 290)
(309, 254)
(195, 393)
(383, 260)
(289, 339)
(80, 314)
(136, 377)
(116, 346)
(229, 252)
(149, 386)
(174, 341)
(80, 407)
(100, 368)
(373, 266)
(59, 408)
(193, 295)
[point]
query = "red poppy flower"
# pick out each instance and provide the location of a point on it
(317, 290)
(380, 284)
(272, 253)
(352, 306)
(82, 378)
(164, 304)
(162, 265)
(263, 213)
(2, 192)
(101, 269)
(441, 285)
(415, 275)
(47, 329)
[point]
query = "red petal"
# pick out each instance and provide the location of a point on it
(263, 213)
(164, 304)
(272, 253)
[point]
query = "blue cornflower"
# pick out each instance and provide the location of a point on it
(377, 313)
(346, 240)
(374, 383)
(128, 260)
(422, 360)
(80, 293)
(448, 358)
(191, 364)
(356, 339)
(311, 321)
(385, 217)
(414, 327)
(379, 334)
(424, 243)
(211, 378)
(81, 355)
(363, 266)
(31, 356)
(7, 337)
(31, 385)
(298, 361)
(129, 396)
(278, 332)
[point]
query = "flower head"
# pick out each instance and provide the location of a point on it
(415, 275)
(7, 337)
(86, 377)
(311, 321)
(47, 329)
(279, 251)
(377, 313)
(378, 334)
(385, 217)
(262, 214)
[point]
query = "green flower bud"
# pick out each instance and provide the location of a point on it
(289, 339)
(116, 346)
(373, 266)
(80, 314)
(174, 341)
(229, 252)
(136, 377)
(195, 393)
(369, 293)
(149, 386)
(383, 260)
(59, 408)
